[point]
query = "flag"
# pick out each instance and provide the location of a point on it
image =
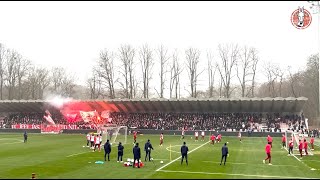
(88, 116)
(71, 117)
(49, 119)
(105, 114)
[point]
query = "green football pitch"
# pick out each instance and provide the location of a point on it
(63, 156)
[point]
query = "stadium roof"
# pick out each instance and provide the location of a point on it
(278, 104)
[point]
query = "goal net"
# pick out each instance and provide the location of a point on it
(296, 136)
(114, 133)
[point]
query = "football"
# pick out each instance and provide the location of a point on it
(161, 162)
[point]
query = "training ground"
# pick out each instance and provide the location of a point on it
(63, 156)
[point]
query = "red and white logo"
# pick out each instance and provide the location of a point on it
(301, 18)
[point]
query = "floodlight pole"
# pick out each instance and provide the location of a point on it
(316, 5)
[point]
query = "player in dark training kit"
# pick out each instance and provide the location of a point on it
(107, 150)
(225, 153)
(147, 149)
(25, 137)
(136, 154)
(184, 152)
(120, 152)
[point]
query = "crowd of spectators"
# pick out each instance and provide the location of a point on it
(188, 121)
(173, 121)
(30, 118)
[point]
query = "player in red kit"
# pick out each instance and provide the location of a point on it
(269, 140)
(161, 139)
(182, 134)
(202, 135)
(268, 152)
(212, 138)
(300, 148)
(305, 146)
(290, 147)
(311, 142)
(283, 141)
(134, 137)
(219, 138)
(196, 135)
(96, 143)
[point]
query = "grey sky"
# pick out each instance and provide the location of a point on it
(73, 33)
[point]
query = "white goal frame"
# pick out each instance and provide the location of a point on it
(107, 128)
(296, 136)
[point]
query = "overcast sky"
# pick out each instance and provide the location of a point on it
(72, 34)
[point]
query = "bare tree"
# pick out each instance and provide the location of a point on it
(32, 82)
(211, 73)
(175, 71)
(270, 70)
(295, 82)
(37, 80)
(43, 80)
(146, 61)
(244, 66)
(246, 70)
(279, 73)
(106, 71)
(127, 54)
(62, 82)
(255, 60)
(22, 67)
(163, 57)
(192, 57)
(57, 74)
(3, 52)
(229, 56)
(68, 83)
(94, 84)
(11, 73)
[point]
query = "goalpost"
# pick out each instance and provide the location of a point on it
(114, 133)
(296, 136)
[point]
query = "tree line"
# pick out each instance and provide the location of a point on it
(128, 71)
(21, 79)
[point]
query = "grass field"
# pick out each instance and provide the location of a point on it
(63, 156)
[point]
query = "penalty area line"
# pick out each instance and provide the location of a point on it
(180, 157)
(300, 160)
(228, 174)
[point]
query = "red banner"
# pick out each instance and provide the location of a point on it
(41, 126)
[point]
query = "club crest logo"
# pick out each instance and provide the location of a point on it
(301, 18)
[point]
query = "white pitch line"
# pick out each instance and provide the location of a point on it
(251, 164)
(77, 154)
(228, 174)
(180, 157)
(299, 159)
(13, 142)
(311, 160)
